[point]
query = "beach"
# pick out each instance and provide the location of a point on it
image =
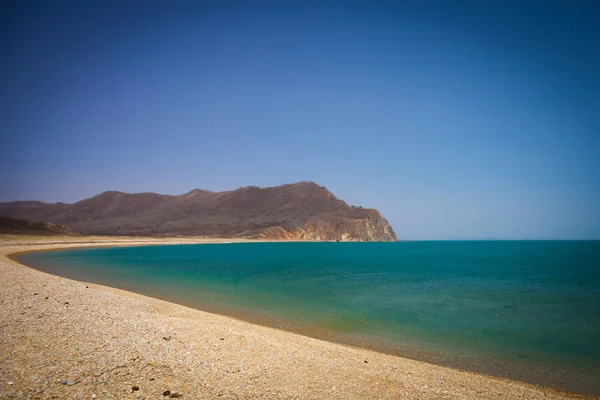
(61, 338)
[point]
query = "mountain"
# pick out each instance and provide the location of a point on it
(300, 211)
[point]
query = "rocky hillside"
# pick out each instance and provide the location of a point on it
(298, 211)
(23, 226)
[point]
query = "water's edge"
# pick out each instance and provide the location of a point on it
(496, 368)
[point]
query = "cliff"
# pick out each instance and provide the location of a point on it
(300, 211)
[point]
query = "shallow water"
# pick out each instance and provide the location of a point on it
(527, 310)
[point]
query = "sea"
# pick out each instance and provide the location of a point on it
(525, 310)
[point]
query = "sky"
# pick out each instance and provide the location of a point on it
(455, 119)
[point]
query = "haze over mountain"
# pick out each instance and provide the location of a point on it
(296, 211)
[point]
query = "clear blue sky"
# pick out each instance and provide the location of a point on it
(456, 119)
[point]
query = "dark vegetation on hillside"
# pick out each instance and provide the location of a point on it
(23, 226)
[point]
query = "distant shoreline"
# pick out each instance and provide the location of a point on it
(399, 380)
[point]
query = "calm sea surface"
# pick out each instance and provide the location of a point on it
(527, 310)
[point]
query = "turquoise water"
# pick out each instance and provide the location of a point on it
(527, 310)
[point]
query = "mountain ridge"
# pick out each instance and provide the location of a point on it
(298, 211)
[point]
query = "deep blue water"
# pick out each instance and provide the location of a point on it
(527, 310)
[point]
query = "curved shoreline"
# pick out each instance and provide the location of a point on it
(206, 355)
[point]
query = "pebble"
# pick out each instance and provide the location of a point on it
(93, 395)
(64, 382)
(166, 393)
(70, 383)
(10, 383)
(134, 388)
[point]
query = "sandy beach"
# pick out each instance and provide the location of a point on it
(62, 339)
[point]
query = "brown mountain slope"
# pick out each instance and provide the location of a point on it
(298, 211)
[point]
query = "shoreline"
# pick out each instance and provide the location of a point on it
(519, 370)
(341, 371)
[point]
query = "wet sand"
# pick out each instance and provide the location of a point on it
(61, 338)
